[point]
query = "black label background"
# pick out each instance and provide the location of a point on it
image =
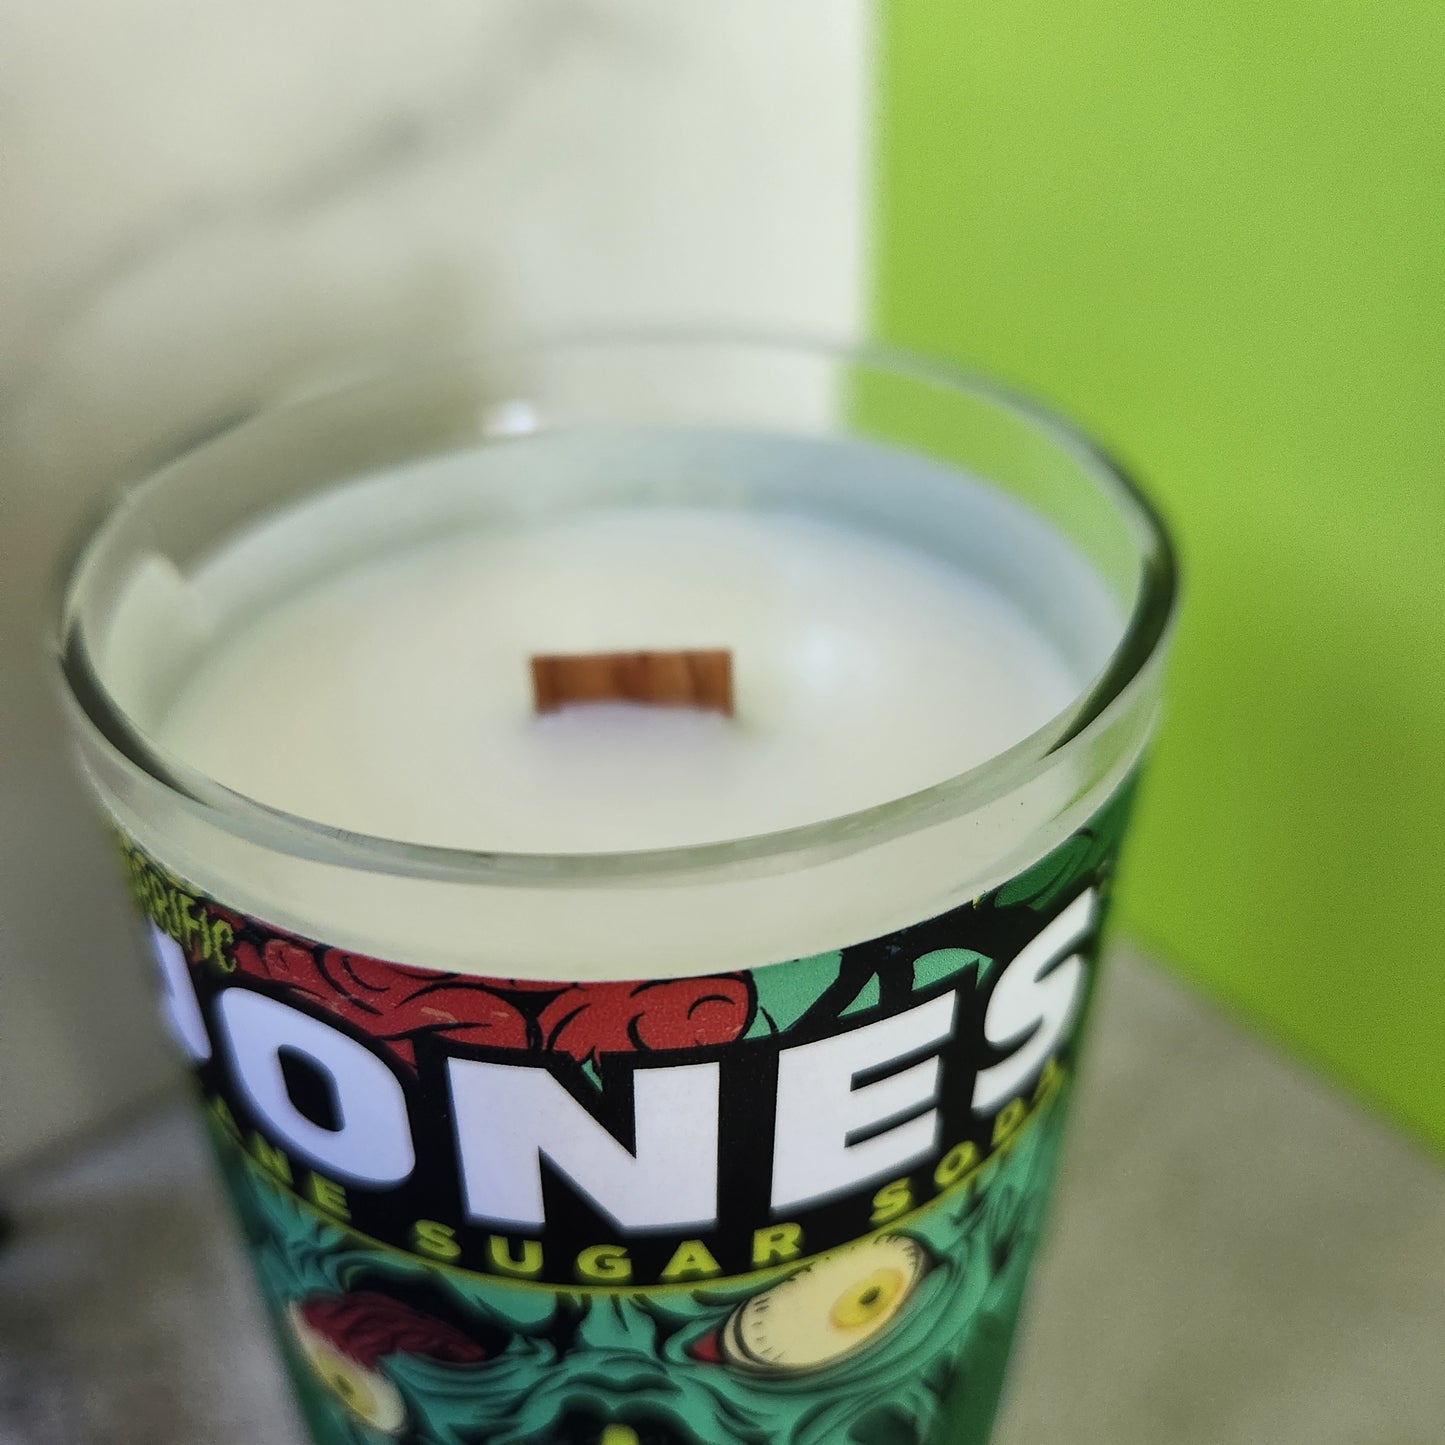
(998, 926)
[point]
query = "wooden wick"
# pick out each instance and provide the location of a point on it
(700, 679)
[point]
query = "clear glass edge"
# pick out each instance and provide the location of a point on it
(1142, 642)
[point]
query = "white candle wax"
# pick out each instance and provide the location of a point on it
(394, 698)
(362, 660)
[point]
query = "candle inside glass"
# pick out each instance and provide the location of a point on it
(623, 1112)
(363, 659)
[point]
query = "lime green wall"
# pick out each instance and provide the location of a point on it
(1215, 235)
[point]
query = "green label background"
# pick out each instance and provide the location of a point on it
(632, 1362)
(1214, 235)
(568, 1360)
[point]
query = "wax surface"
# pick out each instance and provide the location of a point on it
(391, 695)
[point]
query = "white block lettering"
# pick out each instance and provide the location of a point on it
(508, 1117)
(180, 1009)
(371, 1144)
(819, 1107)
(1035, 1003)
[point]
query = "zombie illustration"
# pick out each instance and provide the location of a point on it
(398, 1007)
(344, 1337)
(861, 1346)
(870, 1342)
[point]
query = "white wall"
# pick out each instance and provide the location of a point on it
(204, 205)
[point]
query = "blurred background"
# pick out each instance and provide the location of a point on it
(1215, 237)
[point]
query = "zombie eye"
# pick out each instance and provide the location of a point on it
(826, 1311)
(366, 1393)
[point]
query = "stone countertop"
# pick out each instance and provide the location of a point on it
(1239, 1257)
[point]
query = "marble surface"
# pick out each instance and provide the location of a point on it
(207, 209)
(1240, 1257)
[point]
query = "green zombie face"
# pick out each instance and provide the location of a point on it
(427, 1109)
(860, 1346)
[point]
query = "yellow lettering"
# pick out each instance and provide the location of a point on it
(186, 917)
(955, 1164)
(692, 1259)
(604, 1264)
(1049, 1081)
(328, 1194)
(891, 1201)
(134, 871)
(505, 1261)
(221, 1113)
(271, 1159)
(172, 907)
(157, 892)
(222, 936)
(438, 1241)
(777, 1245)
(1010, 1117)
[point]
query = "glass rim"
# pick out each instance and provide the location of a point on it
(1141, 641)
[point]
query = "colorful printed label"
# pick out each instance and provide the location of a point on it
(788, 1206)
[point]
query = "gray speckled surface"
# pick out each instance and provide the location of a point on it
(1240, 1257)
